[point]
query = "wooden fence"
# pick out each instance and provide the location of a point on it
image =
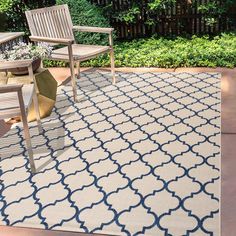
(179, 19)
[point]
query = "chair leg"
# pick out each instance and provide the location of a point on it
(35, 99)
(37, 113)
(28, 141)
(73, 82)
(72, 73)
(78, 69)
(112, 66)
(26, 131)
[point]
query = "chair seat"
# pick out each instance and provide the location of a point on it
(9, 102)
(81, 52)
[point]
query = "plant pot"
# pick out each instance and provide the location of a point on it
(24, 70)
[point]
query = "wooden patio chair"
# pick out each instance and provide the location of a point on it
(54, 25)
(15, 100)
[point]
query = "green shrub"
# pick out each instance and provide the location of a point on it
(180, 52)
(5, 5)
(3, 20)
(170, 53)
(14, 12)
(85, 13)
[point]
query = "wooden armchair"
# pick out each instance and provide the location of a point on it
(15, 100)
(54, 25)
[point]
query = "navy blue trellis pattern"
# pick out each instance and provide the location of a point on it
(141, 157)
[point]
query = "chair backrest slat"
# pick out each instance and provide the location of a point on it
(51, 22)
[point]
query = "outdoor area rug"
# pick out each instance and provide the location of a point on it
(141, 157)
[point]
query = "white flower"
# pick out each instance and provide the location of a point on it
(27, 51)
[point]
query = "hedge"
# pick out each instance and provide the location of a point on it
(219, 51)
(84, 13)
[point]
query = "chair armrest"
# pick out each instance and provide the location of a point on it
(5, 65)
(52, 40)
(10, 88)
(93, 29)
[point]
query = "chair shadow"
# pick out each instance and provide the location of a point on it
(53, 138)
(91, 81)
(99, 78)
(51, 141)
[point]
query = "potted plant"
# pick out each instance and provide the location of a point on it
(23, 51)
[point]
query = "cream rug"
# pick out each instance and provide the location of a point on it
(138, 158)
